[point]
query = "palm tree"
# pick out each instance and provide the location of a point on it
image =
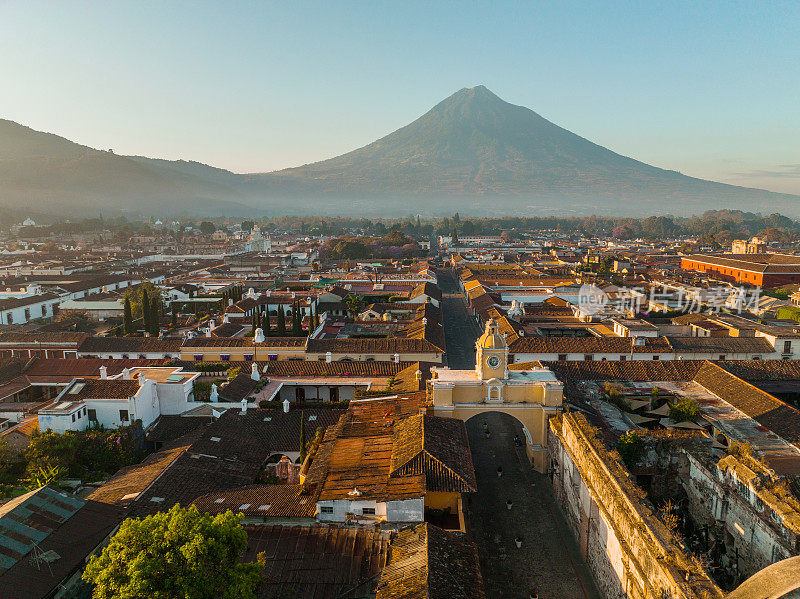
(354, 304)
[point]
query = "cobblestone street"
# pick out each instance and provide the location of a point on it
(549, 560)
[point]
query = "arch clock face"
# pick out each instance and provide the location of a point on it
(493, 361)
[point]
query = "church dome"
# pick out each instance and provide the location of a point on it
(491, 338)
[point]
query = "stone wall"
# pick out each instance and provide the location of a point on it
(631, 553)
(717, 501)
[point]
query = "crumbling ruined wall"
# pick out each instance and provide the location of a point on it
(716, 501)
(630, 552)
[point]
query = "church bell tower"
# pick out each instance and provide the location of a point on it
(491, 353)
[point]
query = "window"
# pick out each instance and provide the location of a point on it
(326, 509)
(756, 357)
(743, 490)
(27, 314)
(198, 357)
(225, 357)
(123, 415)
(10, 318)
(92, 415)
(562, 357)
(656, 357)
(623, 358)
(248, 357)
(368, 511)
(73, 418)
(722, 356)
(787, 347)
(44, 310)
(588, 357)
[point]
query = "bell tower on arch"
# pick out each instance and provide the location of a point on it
(491, 355)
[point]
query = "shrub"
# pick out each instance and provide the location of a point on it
(686, 409)
(630, 447)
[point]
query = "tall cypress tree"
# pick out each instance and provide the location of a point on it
(267, 325)
(145, 311)
(155, 325)
(127, 318)
(297, 323)
(281, 321)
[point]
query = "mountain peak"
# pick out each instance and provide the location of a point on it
(477, 92)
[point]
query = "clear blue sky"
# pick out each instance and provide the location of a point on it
(712, 90)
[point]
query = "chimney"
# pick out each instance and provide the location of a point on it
(254, 372)
(293, 294)
(103, 372)
(126, 374)
(208, 332)
(225, 319)
(244, 406)
(328, 357)
(397, 358)
(230, 302)
(141, 379)
(424, 321)
(258, 336)
(286, 405)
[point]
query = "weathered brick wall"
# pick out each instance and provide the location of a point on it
(630, 552)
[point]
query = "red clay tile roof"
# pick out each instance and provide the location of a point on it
(82, 367)
(372, 346)
(426, 562)
(587, 345)
(131, 345)
(98, 389)
(436, 447)
(287, 368)
(126, 485)
(230, 452)
(323, 562)
(358, 452)
(298, 342)
(46, 338)
(767, 410)
(261, 501)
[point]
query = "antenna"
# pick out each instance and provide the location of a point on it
(39, 556)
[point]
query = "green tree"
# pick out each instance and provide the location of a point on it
(207, 227)
(127, 317)
(179, 553)
(145, 310)
(281, 321)
(155, 307)
(630, 447)
(267, 326)
(354, 304)
(297, 322)
(686, 409)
